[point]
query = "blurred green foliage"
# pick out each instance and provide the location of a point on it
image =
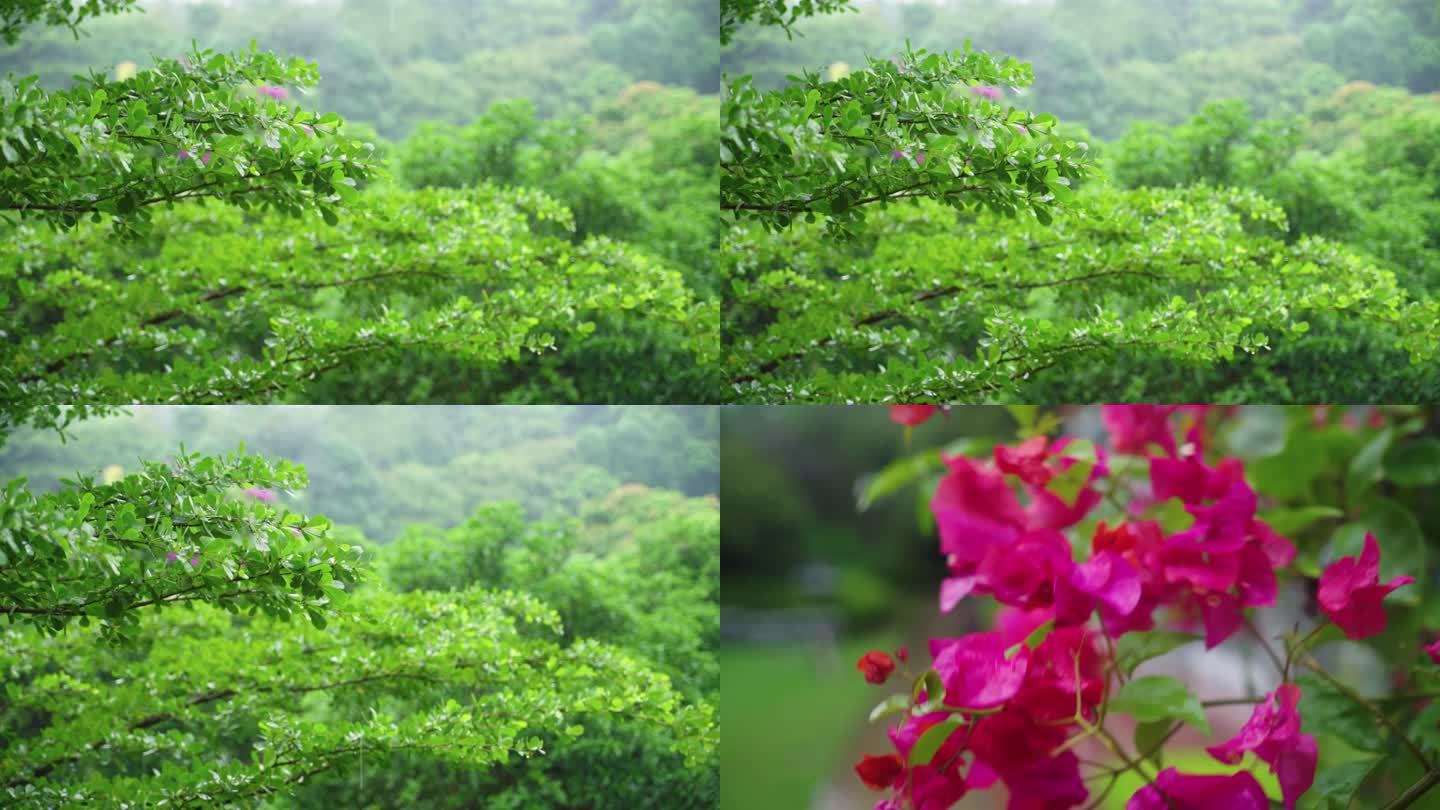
(394, 63)
(1264, 226)
(537, 635)
(636, 567)
(576, 142)
(1109, 63)
(1360, 169)
(790, 500)
(381, 469)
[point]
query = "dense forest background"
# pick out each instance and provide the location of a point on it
(535, 624)
(1109, 64)
(394, 64)
(1326, 108)
(491, 118)
(381, 469)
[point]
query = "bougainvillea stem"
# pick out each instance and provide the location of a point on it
(1280, 666)
(1114, 746)
(1415, 791)
(1311, 664)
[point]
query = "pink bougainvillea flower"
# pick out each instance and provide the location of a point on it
(1256, 584)
(1106, 581)
(1025, 461)
(1009, 741)
(882, 772)
(1051, 783)
(954, 589)
(896, 154)
(1047, 510)
(989, 91)
(1191, 480)
(908, 733)
(911, 415)
(1193, 566)
(1433, 650)
(934, 789)
(1051, 690)
(274, 91)
(261, 494)
(1142, 544)
(1015, 624)
(1273, 733)
(1182, 791)
(975, 671)
(1222, 616)
(974, 508)
(876, 665)
(1352, 595)
(1023, 574)
(185, 154)
(1133, 428)
(1223, 526)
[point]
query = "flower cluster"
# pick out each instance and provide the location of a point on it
(260, 494)
(1010, 705)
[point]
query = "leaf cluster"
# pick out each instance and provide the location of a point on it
(898, 129)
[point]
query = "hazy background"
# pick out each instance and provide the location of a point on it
(391, 63)
(1109, 63)
(383, 468)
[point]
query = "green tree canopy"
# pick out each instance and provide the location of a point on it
(224, 308)
(210, 694)
(931, 308)
(924, 125)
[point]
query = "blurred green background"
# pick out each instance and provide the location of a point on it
(810, 583)
(383, 468)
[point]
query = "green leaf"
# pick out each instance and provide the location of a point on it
(1025, 415)
(1293, 521)
(1134, 649)
(1039, 634)
(890, 705)
(1329, 711)
(1367, 467)
(1160, 697)
(930, 684)
(896, 476)
(1337, 784)
(1067, 485)
(933, 738)
(1148, 736)
(1414, 463)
